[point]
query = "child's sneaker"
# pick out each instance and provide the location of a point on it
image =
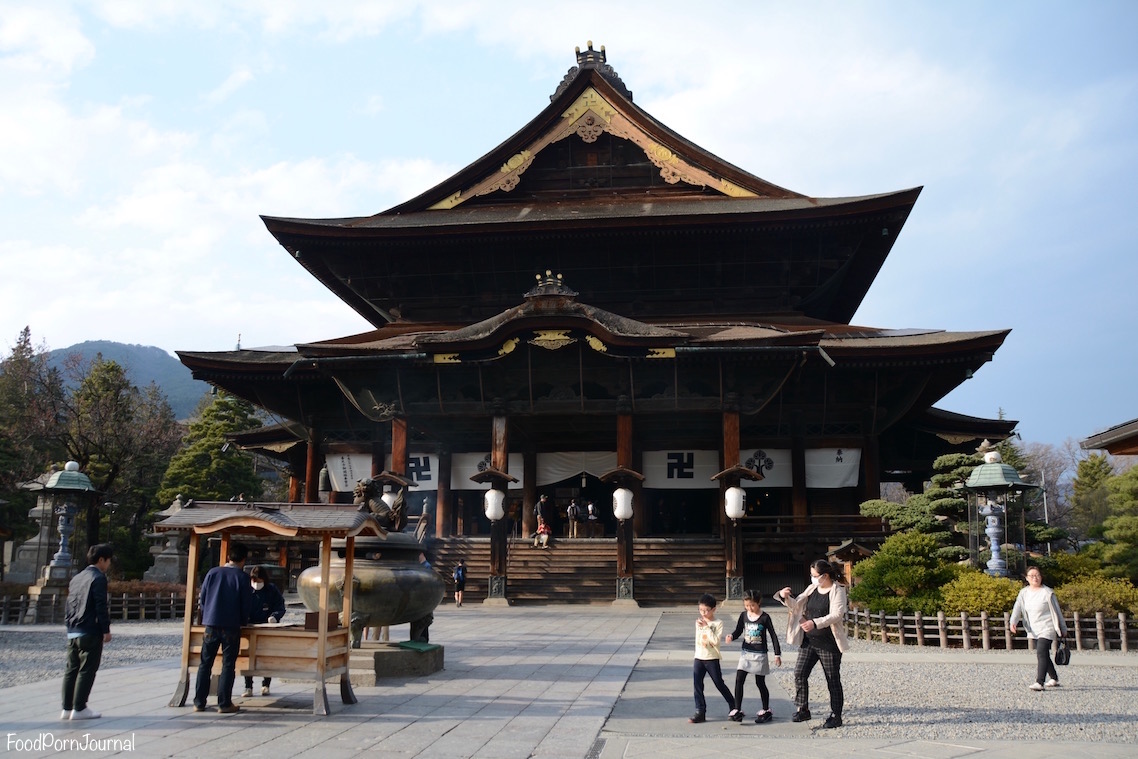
(763, 716)
(736, 715)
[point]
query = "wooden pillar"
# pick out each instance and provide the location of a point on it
(624, 458)
(499, 445)
(312, 468)
(182, 690)
(529, 492)
(295, 488)
(399, 445)
(730, 439)
(378, 457)
(799, 503)
(871, 469)
(442, 497)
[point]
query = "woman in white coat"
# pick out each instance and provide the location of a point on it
(816, 623)
(1037, 606)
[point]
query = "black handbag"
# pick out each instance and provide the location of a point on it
(1063, 654)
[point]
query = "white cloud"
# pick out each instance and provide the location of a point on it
(41, 40)
(235, 81)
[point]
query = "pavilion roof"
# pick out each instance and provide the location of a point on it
(288, 520)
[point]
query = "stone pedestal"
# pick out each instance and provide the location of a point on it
(46, 603)
(171, 564)
(375, 661)
(32, 555)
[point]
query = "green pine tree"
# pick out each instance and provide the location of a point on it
(206, 469)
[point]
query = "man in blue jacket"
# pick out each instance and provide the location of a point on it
(88, 628)
(226, 599)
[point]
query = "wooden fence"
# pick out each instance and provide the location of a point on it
(1100, 632)
(50, 609)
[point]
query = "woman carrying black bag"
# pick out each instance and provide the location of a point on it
(1043, 620)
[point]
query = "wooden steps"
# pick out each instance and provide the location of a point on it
(669, 571)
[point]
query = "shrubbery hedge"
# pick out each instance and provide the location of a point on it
(974, 592)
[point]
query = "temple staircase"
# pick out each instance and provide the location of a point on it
(668, 571)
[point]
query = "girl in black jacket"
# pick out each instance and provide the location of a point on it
(755, 626)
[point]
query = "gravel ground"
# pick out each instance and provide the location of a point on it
(986, 697)
(31, 653)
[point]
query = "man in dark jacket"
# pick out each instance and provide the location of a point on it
(226, 601)
(88, 628)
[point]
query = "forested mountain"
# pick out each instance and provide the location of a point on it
(144, 364)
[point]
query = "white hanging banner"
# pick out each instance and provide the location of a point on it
(463, 466)
(833, 467)
(681, 470)
(555, 467)
(346, 469)
(773, 464)
(422, 469)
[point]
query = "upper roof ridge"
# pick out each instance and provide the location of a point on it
(593, 59)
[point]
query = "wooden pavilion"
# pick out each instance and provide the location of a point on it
(599, 294)
(270, 650)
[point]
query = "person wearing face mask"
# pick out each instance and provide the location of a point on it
(268, 604)
(816, 623)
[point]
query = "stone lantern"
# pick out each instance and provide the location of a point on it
(170, 560)
(63, 493)
(993, 487)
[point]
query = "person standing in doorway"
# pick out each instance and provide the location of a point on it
(592, 518)
(1043, 619)
(816, 622)
(88, 628)
(459, 576)
(574, 513)
(226, 604)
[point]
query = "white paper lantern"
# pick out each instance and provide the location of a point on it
(733, 503)
(622, 504)
(494, 510)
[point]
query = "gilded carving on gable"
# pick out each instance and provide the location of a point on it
(448, 202)
(447, 358)
(588, 117)
(518, 162)
(552, 339)
(508, 346)
(589, 100)
(589, 127)
(596, 344)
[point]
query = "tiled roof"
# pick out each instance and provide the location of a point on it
(283, 519)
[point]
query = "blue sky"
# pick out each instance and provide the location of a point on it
(139, 141)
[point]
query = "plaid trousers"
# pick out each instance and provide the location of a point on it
(808, 656)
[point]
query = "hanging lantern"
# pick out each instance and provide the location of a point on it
(622, 504)
(494, 500)
(733, 500)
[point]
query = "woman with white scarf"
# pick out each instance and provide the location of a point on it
(1039, 609)
(816, 622)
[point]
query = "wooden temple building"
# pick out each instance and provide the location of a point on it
(599, 301)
